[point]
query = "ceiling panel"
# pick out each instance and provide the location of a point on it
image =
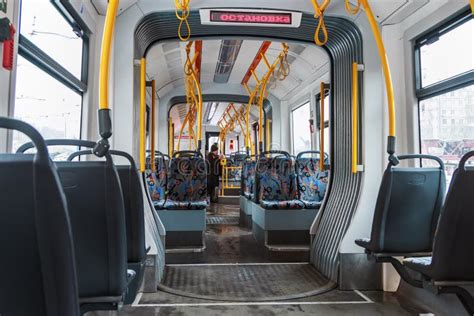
(101, 5)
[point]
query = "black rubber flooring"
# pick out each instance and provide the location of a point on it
(222, 220)
(247, 282)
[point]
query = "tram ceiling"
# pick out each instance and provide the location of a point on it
(226, 61)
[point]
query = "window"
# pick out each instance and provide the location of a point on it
(445, 91)
(44, 26)
(301, 132)
(51, 72)
(452, 43)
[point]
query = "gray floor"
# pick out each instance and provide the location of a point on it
(211, 283)
(246, 282)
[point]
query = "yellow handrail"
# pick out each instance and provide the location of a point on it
(355, 116)
(153, 124)
(322, 93)
(112, 9)
(142, 113)
(385, 67)
(268, 135)
(170, 137)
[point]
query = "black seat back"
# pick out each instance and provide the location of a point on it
(38, 264)
(408, 206)
(96, 210)
(133, 204)
(453, 253)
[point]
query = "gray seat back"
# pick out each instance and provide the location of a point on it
(38, 265)
(96, 210)
(453, 253)
(408, 207)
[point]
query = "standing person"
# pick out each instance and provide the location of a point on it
(214, 172)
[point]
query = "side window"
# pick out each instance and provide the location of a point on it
(51, 73)
(301, 133)
(445, 90)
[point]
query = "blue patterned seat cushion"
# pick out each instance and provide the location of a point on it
(277, 184)
(156, 183)
(187, 180)
(277, 180)
(278, 205)
(176, 205)
(248, 178)
(312, 182)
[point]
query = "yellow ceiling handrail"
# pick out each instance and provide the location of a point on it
(387, 77)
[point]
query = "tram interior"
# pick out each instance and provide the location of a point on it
(249, 158)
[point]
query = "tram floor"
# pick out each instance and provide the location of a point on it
(227, 242)
(237, 276)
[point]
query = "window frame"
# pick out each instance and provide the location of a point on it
(44, 62)
(444, 86)
(292, 125)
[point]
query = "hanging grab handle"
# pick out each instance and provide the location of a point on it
(321, 28)
(183, 6)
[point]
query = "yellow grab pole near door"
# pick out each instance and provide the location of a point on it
(321, 125)
(268, 135)
(142, 112)
(170, 137)
(355, 116)
(105, 54)
(153, 124)
(105, 122)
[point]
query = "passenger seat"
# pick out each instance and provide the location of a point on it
(187, 182)
(96, 210)
(38, 261)
(407, 209)
(312, 182)
(277, 182)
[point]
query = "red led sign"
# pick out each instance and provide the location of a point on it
(250, 17)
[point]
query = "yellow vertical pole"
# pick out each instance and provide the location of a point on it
(170, 136)
(321, 125)
(153, 124)
(355, 121)
(142, 113)
(268, 134)
(105, 54)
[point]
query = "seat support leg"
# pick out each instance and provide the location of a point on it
(402, 271)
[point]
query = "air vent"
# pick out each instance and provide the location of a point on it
(297, 49)
(169, 46)
(225, 63)
(291, 59)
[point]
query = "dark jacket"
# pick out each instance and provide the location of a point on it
(215, 170)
